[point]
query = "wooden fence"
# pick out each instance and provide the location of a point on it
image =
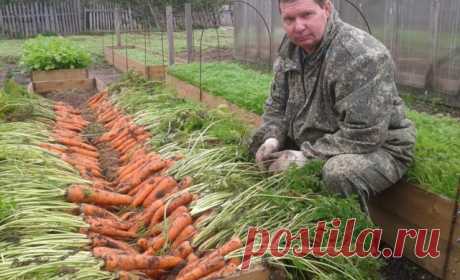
(27, 19)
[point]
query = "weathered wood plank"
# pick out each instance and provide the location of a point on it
(170, 29)
(56, 86)
(453, 263)
(62, 74)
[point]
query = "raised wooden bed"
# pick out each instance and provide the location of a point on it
(124, 64)
(403, 206)
(61, 80)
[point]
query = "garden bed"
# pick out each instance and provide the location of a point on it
(123, 63)
(431, 204)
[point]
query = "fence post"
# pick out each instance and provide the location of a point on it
(170, 29)
(434, 37)
(117, 20)
(189, 28)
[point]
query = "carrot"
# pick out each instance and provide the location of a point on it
(51, 147)
(128, 215)
(224, 272)
(108, 222)
(79, 194)
(186, 234)
(110, 231)
(232, 245)
(183, 250)
(181, 200)
(192, 258)
(73, 142)
(135, 262)
(142, 194)
(186, 182)
(176, 227)
(99, 240)
(149, 169)
(95, 211)
(169, 163)
(128, 275)
(102, 252)
(85, 152)
(156, 229)
(129, 146)
(133, 155)
(203, 269)
(161, 189)
(155, 273)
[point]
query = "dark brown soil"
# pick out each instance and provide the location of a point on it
(404, 269)
(76, 98)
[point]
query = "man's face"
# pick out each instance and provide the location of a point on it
(305, 22)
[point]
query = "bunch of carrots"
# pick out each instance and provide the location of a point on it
(140, 223)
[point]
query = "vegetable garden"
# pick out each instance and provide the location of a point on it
(129, 180)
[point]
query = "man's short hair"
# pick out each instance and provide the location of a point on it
(319, 2)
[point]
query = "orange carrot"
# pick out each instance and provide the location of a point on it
(79, 194)
(95, 211)
(111, 232)
(186, 234)
(73, 142)
(161, 189)
(108, 222)
(136, 262)
(186, 182)
(144, 191)
(99, 240)
(182, 200)
(192, 258)
(183, 250)
(156, 229)
(203, 269)
(176, 227)
(102, 252)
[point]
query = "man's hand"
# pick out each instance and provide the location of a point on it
(270, 146)
(282, 160)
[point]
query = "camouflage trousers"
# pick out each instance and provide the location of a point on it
(363, 174)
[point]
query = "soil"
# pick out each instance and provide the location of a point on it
(76, 98)
(404, 269)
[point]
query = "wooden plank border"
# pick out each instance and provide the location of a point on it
(403, 206)
(121, 62)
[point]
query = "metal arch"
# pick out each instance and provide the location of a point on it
(361, 14)
(267, 27)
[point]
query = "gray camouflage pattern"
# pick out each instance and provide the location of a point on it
(341, 104)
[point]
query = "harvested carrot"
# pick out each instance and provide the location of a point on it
(203, 269)
(161, 189)
(73, 142)
(84, 194)
(186, 234)
(182, 200)
(175, 229)
(131, 275)
(144, 191)
(156, 229)
(186, 182)
(183, 250)
(95, 211)
(226, 271)
(192, 258)
(135, 262)
(109, 222)
(99, 240)
(202, 218)
(232, 245)
(111, 232)
(102, 252)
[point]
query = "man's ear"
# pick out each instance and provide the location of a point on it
(328, 6)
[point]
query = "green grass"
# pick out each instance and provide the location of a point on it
(437, 164)
(244, 87)
(95, 43)
(147, 58)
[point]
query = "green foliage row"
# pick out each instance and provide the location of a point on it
(437, 160)
(49, 53)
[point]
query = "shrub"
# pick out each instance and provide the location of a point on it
(49, 53)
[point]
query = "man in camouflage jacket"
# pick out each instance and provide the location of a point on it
(334, 98)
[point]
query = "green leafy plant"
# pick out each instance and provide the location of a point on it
(49, 53)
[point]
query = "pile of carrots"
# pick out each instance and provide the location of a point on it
(140, 223)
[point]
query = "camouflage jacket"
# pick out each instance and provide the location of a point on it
(340, 99)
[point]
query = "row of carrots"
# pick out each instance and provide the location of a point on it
(140, 223)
